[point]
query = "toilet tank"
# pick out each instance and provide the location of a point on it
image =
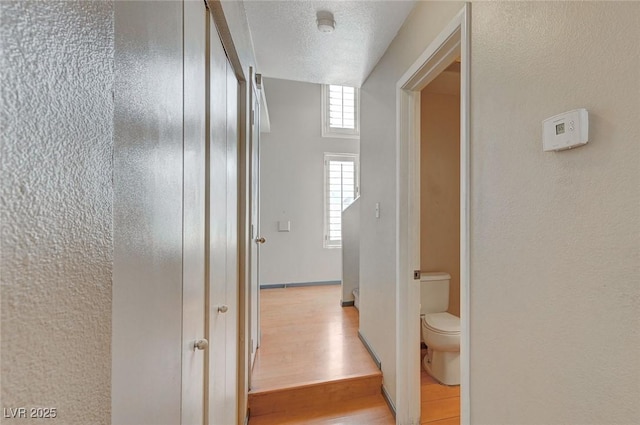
(434, 292)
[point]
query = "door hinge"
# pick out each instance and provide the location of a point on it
(253, 117)
(253, 348)
(416, 275)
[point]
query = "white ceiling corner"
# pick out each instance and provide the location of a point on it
(288, 44)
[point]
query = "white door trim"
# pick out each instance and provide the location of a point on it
(452, 42)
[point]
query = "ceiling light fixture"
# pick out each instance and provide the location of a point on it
(325, 21)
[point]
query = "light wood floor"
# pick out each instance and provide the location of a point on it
(307, 337)
(440, 404)
(312, 369)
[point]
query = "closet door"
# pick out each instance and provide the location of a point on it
(231, 284)
(147, 333)
(222, 235)
(194, 179)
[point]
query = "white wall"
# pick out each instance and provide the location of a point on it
(292, 186)
(378, 180)
(555, 239)
(555, 242)
(56, 208)
(350, 250)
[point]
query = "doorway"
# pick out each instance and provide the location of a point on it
(453, 42)
(255, 237)
(309, 344)
(440, 244)
(306, 179)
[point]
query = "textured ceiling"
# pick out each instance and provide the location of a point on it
(289, 45)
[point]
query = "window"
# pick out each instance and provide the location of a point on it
(340, 111)
(341, 188)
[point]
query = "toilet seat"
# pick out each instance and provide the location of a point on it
(442, 323)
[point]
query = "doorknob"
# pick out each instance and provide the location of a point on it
(200, 344)
(261, 240)
(223, 309)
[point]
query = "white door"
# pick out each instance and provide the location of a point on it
(193, 193)
(222, 235)
(231, 284)
(254, 289)
(147, 344)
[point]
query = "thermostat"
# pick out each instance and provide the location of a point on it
(565, 131)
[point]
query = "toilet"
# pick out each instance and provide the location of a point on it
(440, 330)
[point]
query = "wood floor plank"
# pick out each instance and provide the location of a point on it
(448, 421)
(433, 390)
(433, 410)
(440, 404)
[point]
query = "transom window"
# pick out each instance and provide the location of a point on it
(341, 189)
(340, 111)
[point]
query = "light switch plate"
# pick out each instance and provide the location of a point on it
(284, 226)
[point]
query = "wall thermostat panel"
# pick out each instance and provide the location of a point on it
(565, 131)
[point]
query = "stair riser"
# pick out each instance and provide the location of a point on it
(314, 396)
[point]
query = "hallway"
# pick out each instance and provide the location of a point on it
(132, 231)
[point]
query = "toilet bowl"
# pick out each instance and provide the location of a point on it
(440, 329)
(441, 334)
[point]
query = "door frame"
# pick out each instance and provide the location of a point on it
(254, 136)
(454, 41)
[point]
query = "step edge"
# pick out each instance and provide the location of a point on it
(310, 384)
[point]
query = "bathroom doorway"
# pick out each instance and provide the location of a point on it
(440, 246)
(452, 43)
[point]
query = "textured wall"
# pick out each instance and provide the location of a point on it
(555, 242)
(293, 189)
(378, 179)
(56, 257)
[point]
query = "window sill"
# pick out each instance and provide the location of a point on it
(338, 135)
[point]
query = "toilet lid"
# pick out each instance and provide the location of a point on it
(442, 322)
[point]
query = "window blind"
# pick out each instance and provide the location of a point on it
(342, 107)
(341, 190)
